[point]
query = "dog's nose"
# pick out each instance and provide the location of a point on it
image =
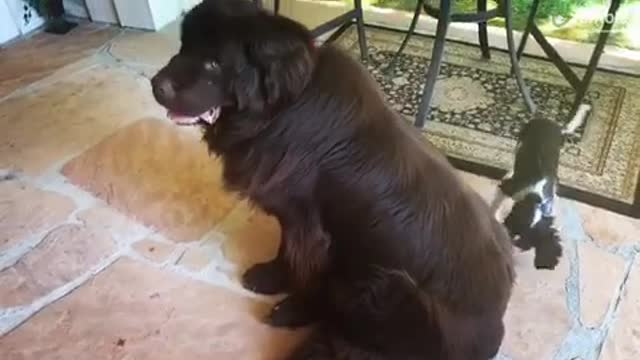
(163, 89)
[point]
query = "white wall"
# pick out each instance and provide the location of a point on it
(16, 7)
(8, 27)
(146, 14)
(75, 8)
(164, 12)
(103, 11)
(12, 22)
(188, 4)
(151, 14)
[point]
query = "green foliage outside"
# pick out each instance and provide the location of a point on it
(577, 20)
(564, 8)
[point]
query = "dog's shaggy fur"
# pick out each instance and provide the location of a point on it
(532, 185)
(382, 243)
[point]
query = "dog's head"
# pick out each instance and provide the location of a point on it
(233, 57)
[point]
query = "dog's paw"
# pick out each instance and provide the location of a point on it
(292, 312)
(268, 278)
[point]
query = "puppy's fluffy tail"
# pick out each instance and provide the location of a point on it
(578, 119)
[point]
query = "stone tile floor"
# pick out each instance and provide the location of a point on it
(117, 241)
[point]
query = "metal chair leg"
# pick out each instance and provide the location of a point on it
(482, 32)
(531, 20)
(581, 92)
(434, 66)
(405, 41)
(362, 39)
(514, 58)
(527, 30)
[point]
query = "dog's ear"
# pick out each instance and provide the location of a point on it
(282, 59)
(248, 89)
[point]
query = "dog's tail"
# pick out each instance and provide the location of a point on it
(578, 119)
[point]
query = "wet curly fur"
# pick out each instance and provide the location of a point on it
(383, 247)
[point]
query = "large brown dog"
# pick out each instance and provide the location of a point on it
(382, 244)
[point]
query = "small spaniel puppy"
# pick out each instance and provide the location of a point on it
(532, 183)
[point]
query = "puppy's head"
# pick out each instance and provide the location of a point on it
(523, 215)
(233, 57)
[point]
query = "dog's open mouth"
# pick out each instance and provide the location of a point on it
(210, 116)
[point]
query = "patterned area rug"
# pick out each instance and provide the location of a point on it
(478, 112)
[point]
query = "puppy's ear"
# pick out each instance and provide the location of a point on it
(283, 57)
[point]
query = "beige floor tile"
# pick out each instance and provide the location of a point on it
(42, 128)
(601, 274)
(623, 341)
(149, 48)
(40, 56)
(154, 250)
(131, 311)
(607, 228)
(63, 255)
(26, 211)
(537, 320)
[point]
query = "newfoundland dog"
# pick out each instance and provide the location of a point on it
(383, 247)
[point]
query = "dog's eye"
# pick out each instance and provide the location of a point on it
(211, 65)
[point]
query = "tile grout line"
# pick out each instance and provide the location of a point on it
(12, 318)
(583, 342)
(102, 56)
(614, 309)
(580, 341)
(50, 79)
(53, 180)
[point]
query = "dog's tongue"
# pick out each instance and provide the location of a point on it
(210, 116)
(182, 119)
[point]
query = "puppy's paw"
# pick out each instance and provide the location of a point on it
(292, 312)
(548, 253)
(523, 243)
(268, 278)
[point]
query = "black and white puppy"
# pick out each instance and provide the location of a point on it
(532, 184)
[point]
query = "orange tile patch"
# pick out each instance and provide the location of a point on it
(251, 236)
(160, 174)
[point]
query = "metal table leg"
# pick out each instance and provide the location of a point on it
(342, 22)
(483, 37)
(444, 19)
(514, 59)
(580, 85)
(405, 41)
(527, 30)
